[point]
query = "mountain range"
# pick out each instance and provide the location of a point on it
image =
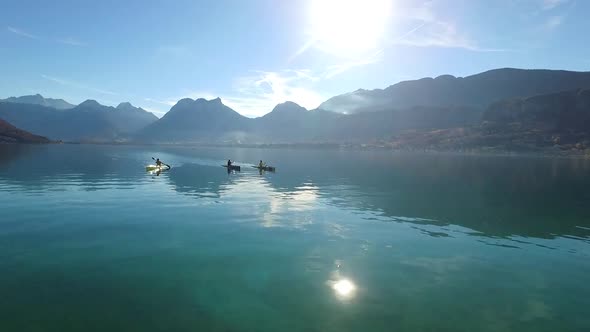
(423, 105)
(478, 90)
(88, 121)
(416, 113)
(38, 99)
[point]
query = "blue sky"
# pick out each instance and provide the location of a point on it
(255, 54)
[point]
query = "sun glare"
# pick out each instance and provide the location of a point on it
(342, 26)
(344, 287)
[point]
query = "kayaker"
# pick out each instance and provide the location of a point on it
(158, 162)
(261, 164)
(229, 162)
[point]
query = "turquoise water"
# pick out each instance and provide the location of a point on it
(333, 241)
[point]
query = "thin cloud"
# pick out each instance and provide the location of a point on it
(443, 37)
(78, 85)
(337, 69)
(553, 22)
(429, 30)
(302, 49)
(156, 101)
(71, 41)
(21, 33)
(411, 31)
(432, 31)
(258, 93)
(551, 4)
(156, 112)
(67, 41)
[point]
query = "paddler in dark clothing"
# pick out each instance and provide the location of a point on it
(229, 162)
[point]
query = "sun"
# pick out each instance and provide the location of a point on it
(343, 26)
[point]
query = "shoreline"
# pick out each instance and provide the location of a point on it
(484, 151)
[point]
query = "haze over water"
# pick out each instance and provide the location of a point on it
(333, 241)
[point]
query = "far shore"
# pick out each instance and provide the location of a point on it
(485, 151)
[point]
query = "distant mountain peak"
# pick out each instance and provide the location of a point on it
(287, 109)
(90, 103)
(445, 77)
(125, 104)
(288, 103)
(188, 102)
(215, 100)
(289, 106)
(129, 108)
(185, 101)
(196, 119)
(38, 99)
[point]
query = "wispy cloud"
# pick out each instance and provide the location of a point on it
(257, 94)
(440, 34)
(432, 31)
(340, 68)
(21, 33)
(411, 31)
(427, 29)
(553, 22)
(78, 85)
(169, 102)
(551, 4)
(302, 49)
(157, 112)
(67, 41)
(341, 65)
(71, 41)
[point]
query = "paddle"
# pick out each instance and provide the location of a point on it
(169, 167)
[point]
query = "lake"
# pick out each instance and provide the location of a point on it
(333, 241)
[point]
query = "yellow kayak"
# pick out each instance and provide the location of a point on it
(155, 168)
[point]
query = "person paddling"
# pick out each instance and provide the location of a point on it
(229, 162)
(261, 164)
(159, 163)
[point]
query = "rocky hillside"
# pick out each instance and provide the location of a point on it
(11, 134)
(557, 121)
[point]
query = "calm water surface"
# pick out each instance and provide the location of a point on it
(333, 241)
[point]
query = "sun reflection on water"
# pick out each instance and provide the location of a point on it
(344, 288)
